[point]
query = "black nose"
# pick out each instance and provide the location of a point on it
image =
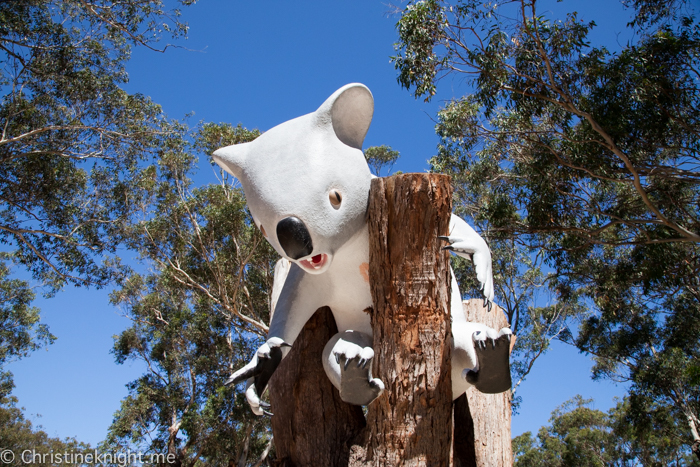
(294, 237)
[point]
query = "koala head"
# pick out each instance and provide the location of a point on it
(306, 181)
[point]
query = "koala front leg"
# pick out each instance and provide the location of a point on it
(295, 305)
(347, 360)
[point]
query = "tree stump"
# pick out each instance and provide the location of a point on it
(311, 424)
(482, 436)
(410, 424)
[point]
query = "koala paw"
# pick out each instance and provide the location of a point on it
(258, 372)
(357, 386)
(493, 355)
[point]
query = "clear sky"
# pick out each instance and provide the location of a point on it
(260, 63)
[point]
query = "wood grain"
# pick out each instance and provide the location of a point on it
(410, 424)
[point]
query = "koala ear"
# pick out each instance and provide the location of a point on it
(349, 110)
(232, 158)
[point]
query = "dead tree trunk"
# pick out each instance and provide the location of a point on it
(409, 425)
(482, 421)
(312, 426)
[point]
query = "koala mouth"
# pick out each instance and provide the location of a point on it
(315, 263)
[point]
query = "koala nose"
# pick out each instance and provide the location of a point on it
(294, 237)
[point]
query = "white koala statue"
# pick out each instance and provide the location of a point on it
(307, 185)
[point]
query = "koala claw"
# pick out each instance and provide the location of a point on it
(469, 245)
(251, 396)
(357, 386)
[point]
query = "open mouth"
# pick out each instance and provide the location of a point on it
(314, 263)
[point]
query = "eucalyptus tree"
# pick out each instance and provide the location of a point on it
(21, 331)
(588, 158)
(23, 443)
(378, 157)
(72, 143)
(580, 435)
(198, 312)
(71, 138)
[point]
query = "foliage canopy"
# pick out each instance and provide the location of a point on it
(197, 315)
(72, 138)
(379, 157)
(29, 443)
(579, 435)
(586, 158)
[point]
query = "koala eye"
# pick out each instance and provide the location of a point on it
(262, 229)
(335, 198)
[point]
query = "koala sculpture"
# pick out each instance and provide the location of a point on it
(307, 185)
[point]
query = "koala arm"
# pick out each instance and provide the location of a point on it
(298, 300)
(294, 304)
(465, 242)
(281, 272)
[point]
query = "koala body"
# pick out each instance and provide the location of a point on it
(307, 186)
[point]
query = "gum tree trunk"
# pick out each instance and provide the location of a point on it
(311, 425)
(482, 421)
(410, 424)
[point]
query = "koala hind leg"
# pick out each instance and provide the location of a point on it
(347, 360)
(493, 354)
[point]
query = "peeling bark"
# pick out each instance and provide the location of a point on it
(410, 424)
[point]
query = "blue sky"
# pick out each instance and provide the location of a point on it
(259, 64)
